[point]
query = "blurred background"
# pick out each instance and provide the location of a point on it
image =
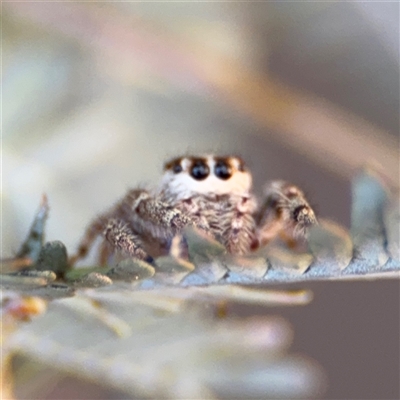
(96, 96)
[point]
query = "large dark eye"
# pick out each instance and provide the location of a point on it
(176, 168)
(199, 170)
(222, 170)
(174, 165)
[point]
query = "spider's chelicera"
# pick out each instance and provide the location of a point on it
(210, 193)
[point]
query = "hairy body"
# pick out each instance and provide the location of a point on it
(213, 194)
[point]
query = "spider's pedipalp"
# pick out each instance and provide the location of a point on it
(240, 233)
(231, 221)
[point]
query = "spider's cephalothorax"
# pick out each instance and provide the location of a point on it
(210, 193)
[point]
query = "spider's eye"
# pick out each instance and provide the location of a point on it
(222, 170)
(176, 168)
(174, 165)
(199, 170)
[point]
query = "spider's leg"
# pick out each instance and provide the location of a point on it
(121, 237)
(94, 230)
(179, 248)
(172, 218)
(105, 252)
(285, 213)
(155, 215)
(269, 230)
(167, 222)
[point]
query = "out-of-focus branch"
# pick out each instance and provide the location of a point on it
(312, 126)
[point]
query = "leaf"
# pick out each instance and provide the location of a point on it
(331, 243)
(155, 350)
(33, 243)
(370, 196)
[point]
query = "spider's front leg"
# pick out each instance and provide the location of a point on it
(160, 220)
(174, 218)
(285, 213)
(121, 238)
(138, 222)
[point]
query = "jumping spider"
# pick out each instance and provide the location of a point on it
(210, 193)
